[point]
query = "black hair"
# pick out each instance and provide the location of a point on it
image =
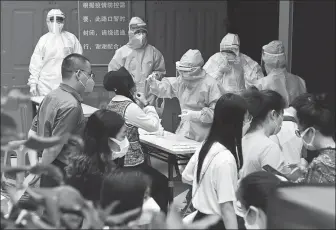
(120, 81)
(256, 188)
(96, 157)
(72, 63)
(315, 111)
(300, 101)
(226, 128)
(260, 103)
(126, 185)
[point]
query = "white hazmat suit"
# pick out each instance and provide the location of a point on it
(51, 49)
(233, 70)
(197, 93)
(139, 58)
(278, 79)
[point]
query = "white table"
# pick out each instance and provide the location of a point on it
(168, 148)
(87, 110)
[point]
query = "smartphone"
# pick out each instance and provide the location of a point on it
(270, 169)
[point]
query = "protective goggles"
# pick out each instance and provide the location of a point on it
(58, 19)
(273, 55)
(184, 68)
(138, 27)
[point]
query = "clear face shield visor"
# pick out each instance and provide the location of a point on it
(55, 23)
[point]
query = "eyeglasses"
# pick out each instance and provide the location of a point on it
(90, 75)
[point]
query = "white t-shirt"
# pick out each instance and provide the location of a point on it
(290, 144)
(219, 182)
(258, 151)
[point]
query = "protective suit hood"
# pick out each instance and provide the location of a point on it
(136, 41)
(273, 56)
(54, 26)
(190, 65)
(230, 42)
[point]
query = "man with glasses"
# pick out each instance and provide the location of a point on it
(61, 112)
(51, 49)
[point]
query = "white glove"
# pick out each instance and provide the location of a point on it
(151, 79)
(189, 114)
(33, 90)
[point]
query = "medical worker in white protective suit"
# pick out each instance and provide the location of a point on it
(235, 71)
(139, 58)
(196, 91)
(51, 49)
(278, 79)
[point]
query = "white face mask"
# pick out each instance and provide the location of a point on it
(308, 145)
(89, 85)
(255, 225)
(140, 38)
(123, 145)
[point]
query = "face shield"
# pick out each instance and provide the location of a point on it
(273, 56)
(271, 61)
(137, 33)
(230, 44)
(190, 65)
(55, 21)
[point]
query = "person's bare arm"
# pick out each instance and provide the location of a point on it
(229, 215)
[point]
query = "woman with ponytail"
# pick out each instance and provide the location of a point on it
(213, 169)
(266, 108)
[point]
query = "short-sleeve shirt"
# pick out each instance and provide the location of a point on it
(258, 151)
(59, 113)
(219, 182)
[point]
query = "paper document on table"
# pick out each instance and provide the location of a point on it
(185, 146)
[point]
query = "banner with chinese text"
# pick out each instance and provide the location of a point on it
(103, 27)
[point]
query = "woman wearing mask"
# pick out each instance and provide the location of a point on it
(253, 193)
(137, 112)
(316, 127)
(104, 140)
(213, 170)
(266, 109)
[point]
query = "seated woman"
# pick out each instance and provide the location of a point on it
(104, 132)
(213, 170)
(266, 109)
(253, 193)
(134, 108)
(316, 127)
